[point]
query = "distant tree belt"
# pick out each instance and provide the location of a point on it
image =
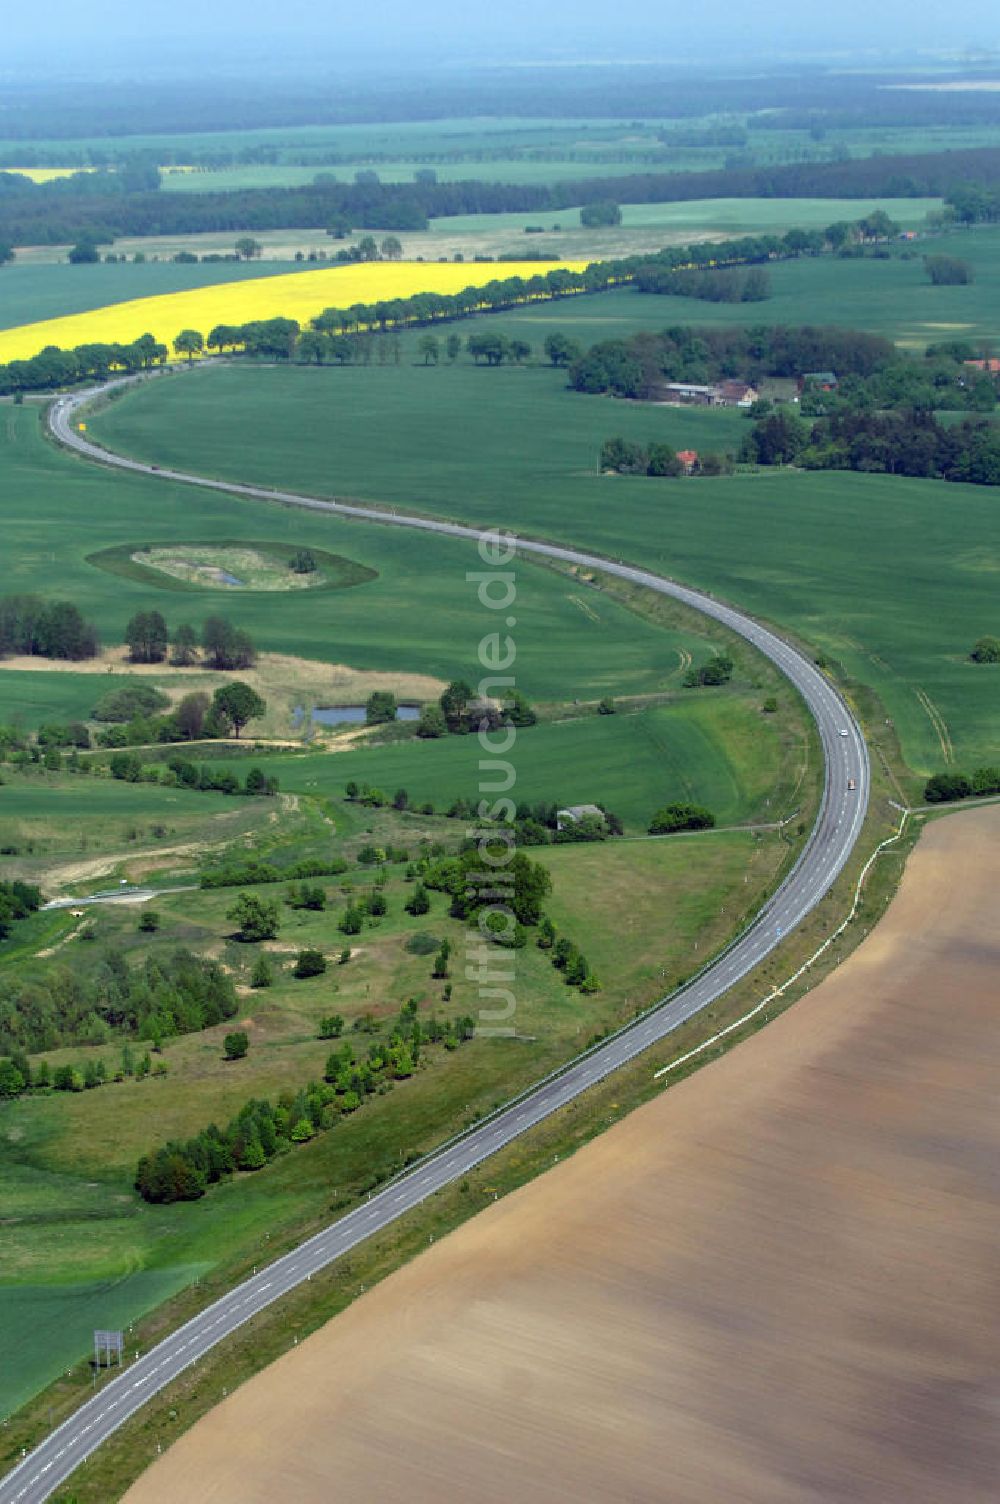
(712, 286)
(799, 99)
(66, 209)
(911, 442)
(638, 366)
(45, 629)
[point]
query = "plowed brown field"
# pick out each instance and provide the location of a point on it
(777, 1283)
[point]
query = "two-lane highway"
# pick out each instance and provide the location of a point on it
(833, 837)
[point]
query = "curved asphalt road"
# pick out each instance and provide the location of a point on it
(833, 837)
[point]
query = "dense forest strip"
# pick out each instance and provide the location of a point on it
(799, 99)
(92, 206)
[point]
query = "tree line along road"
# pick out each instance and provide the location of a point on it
(833, 837)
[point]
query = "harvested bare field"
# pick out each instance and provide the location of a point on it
(775, 1284)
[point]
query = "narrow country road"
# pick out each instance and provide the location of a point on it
(838, 825)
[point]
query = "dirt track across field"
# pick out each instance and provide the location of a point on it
(776, 1284)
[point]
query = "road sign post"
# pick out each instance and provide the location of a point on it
(106, 1345)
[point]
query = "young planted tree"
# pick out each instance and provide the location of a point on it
(236, 1045)
(263, 973)
(255, 918)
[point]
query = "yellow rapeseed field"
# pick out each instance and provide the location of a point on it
(46, 174)
(294, 295)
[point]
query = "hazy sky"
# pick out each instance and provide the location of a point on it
(94, 34)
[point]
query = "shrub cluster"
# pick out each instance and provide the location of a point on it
(134, 722)
(485, 877)
(224, 646)
(674, 817)
(944, 788)
(753, 286)
(181, 774)
(538, 824)
(17, 901)
(624, 457)
(18, 1076)
(371, 906)
(567, 958)
(718, 670)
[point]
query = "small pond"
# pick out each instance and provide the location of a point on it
(353, 715)
(225, 578)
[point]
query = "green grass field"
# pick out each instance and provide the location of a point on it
(64, 827)
(47, 1326)
(419, 615)
(893, 578)
(708, 748)
(514, 170)
(33, 697)
(705, 216)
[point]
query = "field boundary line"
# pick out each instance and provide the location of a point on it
(938, 721)
(780, 990)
